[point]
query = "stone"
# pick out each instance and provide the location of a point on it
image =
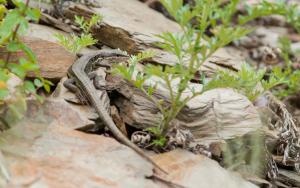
(58, 157)
(194, 171)
(54, 109)
(52, 58)
(42, 155)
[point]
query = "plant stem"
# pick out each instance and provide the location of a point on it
(15, 32)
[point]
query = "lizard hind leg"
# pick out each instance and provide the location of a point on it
(70, 84)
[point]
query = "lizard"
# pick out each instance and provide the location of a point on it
(79, 82)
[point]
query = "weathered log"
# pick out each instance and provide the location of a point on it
(216, 115)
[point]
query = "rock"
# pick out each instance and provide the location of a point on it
(53, 59)
(194, 171)
(84, 112)
(290, 177)
(4, 173)
(132, 24)
(231, 115)
(133, 35)
(224, 59)
(54, 109)
(13, 106)
(42, 155)
(269, 35)
(54, 156)
(12, 85)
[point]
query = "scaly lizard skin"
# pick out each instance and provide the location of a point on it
(80, 83)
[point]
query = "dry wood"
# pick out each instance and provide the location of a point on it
(216, 115)
(49, 20)
(118, 120)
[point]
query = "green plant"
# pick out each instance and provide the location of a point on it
(75, 43)
(291, 12)
(247, 81)
(212, 29)
(192, 46)
(14, 23)
(286, 50)
(292, 77)
(292, 84)
(246, 155)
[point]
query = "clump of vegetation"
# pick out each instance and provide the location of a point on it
(291, 85)
(75, 43)
(290, 12)
(13, 24)
(291, 76)
(192, 46)
(246, 81)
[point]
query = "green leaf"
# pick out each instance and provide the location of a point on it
(161, 142)
(47, 84)
(17, 69)
(29, 87)
(94, 20)
(14, 46)
(3, 2)
(74, 43)
(154, 130)
(3, 11)
(3, 93)
(23, 25)
(11, 20)
(151, 90)
(33, 14)
(82, 23)
(47, 87)
(20, 4)
(27, 65)
(3, 75)
(38, 83)
(173, 7)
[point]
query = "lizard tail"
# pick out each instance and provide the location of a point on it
(122, 138)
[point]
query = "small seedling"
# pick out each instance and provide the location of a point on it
(75, 43)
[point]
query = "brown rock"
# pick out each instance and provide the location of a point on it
(53, 59)
(41, 152)
(194, 171)
(61, 112)
(132, 27)
(58, 157)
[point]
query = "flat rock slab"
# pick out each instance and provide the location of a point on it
(194, 171)
(59, 157)
(43, 152)
(136, 18)
(58, 111)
